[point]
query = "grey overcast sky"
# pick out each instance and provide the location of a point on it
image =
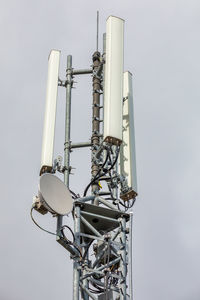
(162, 49)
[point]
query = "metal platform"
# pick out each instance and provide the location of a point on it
(100, 218)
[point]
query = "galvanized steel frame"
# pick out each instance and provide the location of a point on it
(81, 271)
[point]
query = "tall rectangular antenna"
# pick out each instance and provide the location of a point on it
(127, 151)
(113, 93)
(50, 112)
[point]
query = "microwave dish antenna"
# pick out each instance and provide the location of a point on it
(54, 195)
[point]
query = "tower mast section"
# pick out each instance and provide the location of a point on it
(102, 219)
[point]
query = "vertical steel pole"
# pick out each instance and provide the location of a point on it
(67, 131)
(67, 170)
(130, 256)
(103, 83)
(68, 120)
(97, 31)
(85, 281)
(123, 265)
(76, 271)
(96, 116)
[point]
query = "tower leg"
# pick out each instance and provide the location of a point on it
(76, 271)
(123, 265)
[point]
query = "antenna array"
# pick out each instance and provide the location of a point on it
(102, 219)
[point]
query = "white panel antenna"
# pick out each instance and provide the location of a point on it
(50, 112)
(113, 93)
(127, 150)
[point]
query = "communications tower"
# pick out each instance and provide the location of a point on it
(101, 243)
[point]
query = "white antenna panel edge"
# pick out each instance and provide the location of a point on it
(127, 149)
(113, 94)
(50, 112)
